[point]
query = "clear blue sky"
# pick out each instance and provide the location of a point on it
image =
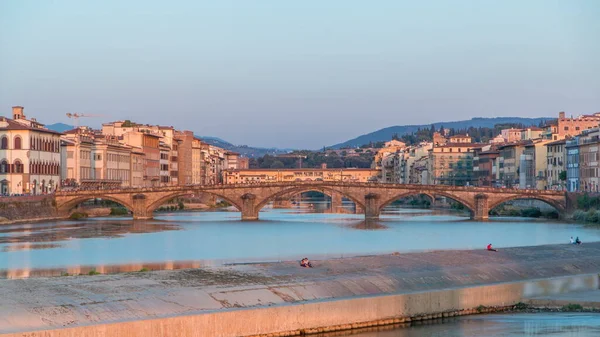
(298, 73)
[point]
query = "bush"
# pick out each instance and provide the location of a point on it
(181, 206)
(521, 306)
(93, 272)
(579, 215)
(572, 307)
(531, 212)
(78, 216)
(118, 211)
(552, 215)
(592, 216)
(143, 270)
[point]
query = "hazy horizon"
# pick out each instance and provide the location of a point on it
(298, 74)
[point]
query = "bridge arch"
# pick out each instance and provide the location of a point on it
(430, 194)
(69, 205)
(558, 205)
(161, 201)
(327, 190)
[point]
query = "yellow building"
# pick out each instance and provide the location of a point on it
(249, 176)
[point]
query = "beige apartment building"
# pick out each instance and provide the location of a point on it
(196, 161)
(451, 164)
(533, 165)
(249, 176)
(93, 160)
(29, 155)
(556, 162)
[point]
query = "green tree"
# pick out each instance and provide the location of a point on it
(562, 175)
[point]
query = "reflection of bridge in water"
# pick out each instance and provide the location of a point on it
(249, 199)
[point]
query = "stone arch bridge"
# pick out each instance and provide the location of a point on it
(250, 198)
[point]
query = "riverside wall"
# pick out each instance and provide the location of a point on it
(23, 208)
(333, 315)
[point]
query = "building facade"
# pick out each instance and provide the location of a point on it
(29, 156)
(249, 176)
(556, 162)
(572, 148)
(589, 158)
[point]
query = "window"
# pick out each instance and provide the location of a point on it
(18, 166)
(566, 128)
(17, 143)
(4, 143)
(4, 166)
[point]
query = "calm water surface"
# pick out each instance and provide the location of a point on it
(504, 325)
(212, 238)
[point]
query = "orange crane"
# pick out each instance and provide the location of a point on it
(76, 117)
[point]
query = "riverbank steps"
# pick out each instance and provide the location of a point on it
(276, 299)
(329, 316)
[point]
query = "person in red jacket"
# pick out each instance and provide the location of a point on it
(489, 247)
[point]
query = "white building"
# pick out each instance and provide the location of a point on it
(29, 156)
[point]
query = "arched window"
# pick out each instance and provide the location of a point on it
(17, 143)
(3, 166)
(18, 166)
(4, 143)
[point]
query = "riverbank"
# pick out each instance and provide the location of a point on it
(393, 287)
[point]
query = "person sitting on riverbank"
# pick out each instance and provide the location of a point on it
(489, 247)
(305, 263)
(572, 241)
(577, 241)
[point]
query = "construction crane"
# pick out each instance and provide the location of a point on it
(297, 156)
(76, 117)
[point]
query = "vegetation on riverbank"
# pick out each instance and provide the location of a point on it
(587, 209)
(529, 212)
(78, 216)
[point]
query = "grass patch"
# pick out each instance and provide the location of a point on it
(93, 272)
(143, 270)
(572, 307)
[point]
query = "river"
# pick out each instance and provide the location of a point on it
(501, 325)
(193, 239)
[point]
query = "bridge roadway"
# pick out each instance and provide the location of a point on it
(249, 199)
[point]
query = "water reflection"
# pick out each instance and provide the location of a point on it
(213, 238)
(517, 325)
(80, 230)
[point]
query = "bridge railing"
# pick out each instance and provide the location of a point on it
(310, 184)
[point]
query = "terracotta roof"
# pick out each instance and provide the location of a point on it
(558, 142)
(12, 125)
(471, 145)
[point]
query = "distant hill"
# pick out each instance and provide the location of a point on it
(244, 150)
(59, 127)
(387, 133)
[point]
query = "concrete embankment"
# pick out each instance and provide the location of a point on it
(283, 299)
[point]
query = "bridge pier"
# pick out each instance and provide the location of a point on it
(482, 209)
(336, 202)
(249, 211)
(140, 208)
(372, 206)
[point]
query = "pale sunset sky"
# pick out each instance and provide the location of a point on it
(301, 74)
